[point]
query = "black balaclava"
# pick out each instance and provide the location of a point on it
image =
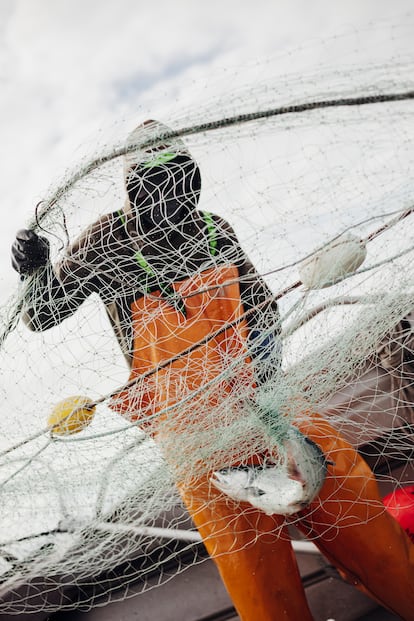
(163, 184)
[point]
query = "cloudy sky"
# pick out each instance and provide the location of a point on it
(70, 69)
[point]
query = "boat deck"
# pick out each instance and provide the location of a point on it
(197, 594)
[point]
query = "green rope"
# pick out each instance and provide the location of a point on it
(211, 231)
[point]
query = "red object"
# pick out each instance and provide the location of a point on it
(400, 504)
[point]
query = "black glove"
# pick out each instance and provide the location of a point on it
(29, 251)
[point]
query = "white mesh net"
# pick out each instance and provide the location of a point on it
(313, 175)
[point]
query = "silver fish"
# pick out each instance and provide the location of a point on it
(283, 488)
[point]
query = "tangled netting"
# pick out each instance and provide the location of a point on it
(309, 180)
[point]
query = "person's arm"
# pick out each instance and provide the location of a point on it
(56, 291)
(53, 298)
(264, 320)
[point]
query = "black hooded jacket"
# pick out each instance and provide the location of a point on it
(160, 223)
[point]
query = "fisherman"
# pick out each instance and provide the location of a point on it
(180, 293)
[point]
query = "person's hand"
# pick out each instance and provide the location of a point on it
(29, 252)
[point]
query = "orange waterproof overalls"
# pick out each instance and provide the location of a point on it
(252, 550)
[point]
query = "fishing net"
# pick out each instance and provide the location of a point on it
(313, 173)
